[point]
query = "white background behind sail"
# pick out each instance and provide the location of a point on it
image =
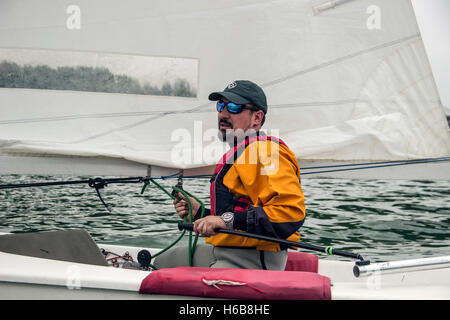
(347, 83)
(433, 18)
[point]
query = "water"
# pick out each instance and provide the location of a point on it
(380, 219)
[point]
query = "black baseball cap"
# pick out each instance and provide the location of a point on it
(242, 92)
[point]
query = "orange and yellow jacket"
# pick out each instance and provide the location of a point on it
(258, 180)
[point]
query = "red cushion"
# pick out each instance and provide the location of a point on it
(302, 261)
(237, 283)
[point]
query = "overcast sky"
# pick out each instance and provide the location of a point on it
(433, 17)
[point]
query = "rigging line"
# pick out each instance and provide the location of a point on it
(367, 164)
(100, 115)
(340, 102)
(169, 176)
(85, 181)
(93, 181)
(143, 179)
(340, 59)
(164, 113)
(86, 116)
(107, 132)
(158, 112)
(315, 103)
(375, 163)
(370, 167)
(135, 124)
(41, 184)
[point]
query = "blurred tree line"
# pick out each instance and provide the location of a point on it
(82, 78)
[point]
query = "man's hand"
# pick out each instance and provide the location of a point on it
(206, 226)
(182, 207)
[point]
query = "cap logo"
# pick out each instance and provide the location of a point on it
(232, 85)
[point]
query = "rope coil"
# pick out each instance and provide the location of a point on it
(214, 283)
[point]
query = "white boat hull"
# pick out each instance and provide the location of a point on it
(23, 277)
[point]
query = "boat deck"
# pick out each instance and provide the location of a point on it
(23, 277)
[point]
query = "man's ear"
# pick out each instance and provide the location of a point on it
(257, 119)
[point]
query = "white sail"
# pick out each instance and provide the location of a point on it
(345, 80)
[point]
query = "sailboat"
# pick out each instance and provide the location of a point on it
(108, 88)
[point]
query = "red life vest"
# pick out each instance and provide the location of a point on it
(222, 200)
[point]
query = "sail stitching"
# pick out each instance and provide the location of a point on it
(340, 59)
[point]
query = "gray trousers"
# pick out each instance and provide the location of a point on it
(222, 257)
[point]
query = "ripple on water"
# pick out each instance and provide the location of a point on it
(381, 219)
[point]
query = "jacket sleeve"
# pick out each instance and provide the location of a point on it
(197, 215)
(273, 185)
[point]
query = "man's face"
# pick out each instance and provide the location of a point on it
(244, 121)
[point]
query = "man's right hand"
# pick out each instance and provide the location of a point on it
(182, 207)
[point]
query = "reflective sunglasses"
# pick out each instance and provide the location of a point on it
(232, 107)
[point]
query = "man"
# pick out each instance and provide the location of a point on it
(255, 188)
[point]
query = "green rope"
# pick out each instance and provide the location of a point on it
(202, 213)
(159, 186)
(171, 245)
(329, 250)
(192, 244)
(146, 183)
(190, 255)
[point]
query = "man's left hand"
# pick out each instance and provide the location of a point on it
(206, 226)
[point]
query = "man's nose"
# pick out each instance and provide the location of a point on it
(224, 113)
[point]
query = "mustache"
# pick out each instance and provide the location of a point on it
(225, 122)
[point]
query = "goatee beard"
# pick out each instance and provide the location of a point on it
(232, 136)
